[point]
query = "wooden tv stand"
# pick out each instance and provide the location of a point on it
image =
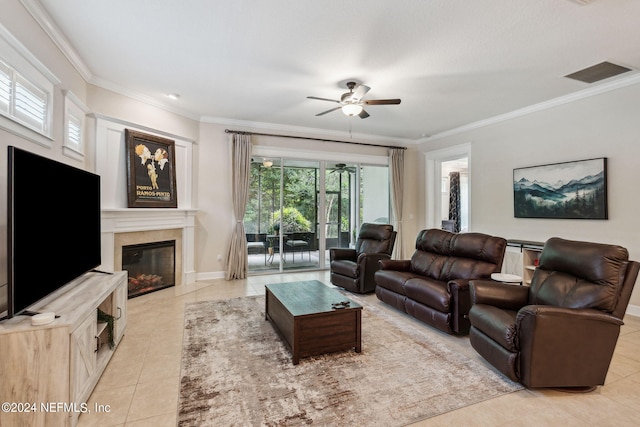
(48, 372)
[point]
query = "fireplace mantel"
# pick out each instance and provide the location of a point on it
(117, 221)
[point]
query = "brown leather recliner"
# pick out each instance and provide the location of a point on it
(353, 269)
(433, 286)
(561, 331)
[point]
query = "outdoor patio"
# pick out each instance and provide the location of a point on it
(298, 260)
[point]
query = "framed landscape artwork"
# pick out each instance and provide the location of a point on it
(151, 171)
(570, 190)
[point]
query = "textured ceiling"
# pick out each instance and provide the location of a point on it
(252, 63)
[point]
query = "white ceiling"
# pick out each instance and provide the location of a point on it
(252, 63)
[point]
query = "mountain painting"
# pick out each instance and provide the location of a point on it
(570, 190)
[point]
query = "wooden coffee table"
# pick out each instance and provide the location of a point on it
(302, 314)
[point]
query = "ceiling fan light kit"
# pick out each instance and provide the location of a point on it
(352, 102)
(352, 109)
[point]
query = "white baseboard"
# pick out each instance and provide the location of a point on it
(211, 275)
(633, 310)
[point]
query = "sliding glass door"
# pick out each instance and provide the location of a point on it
(341, 204)
(260, 217)
(298, 209)
(299, 216)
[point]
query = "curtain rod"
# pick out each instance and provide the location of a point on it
(312, 139)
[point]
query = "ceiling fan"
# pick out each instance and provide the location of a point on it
(352, 104)
(342, 167)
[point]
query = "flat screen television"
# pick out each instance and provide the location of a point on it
(53, 227)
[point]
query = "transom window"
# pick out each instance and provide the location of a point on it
(26, 92)
(23, 101)
(74, 118)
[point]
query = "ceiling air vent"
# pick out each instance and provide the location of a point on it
(598, 72)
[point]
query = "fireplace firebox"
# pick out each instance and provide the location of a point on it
(150, 266)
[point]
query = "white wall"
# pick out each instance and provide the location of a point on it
(22, 26)
(605, 125)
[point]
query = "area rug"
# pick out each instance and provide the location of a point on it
(237, 372)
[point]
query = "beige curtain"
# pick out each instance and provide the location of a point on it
(396, 162)
(241, 169)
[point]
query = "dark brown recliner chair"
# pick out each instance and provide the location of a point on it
(561, 331)
(353, 269)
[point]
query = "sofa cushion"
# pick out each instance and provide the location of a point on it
(393, 280)
(375, 238)
(373, 246)
(428, 264)
(429, 292)
(375, 231)
(592, 278)
(447, 256)
(478, 246)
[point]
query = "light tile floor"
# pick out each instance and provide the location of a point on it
(141, 382)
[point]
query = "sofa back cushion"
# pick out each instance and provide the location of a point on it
(447, 256)
(574, 274)
(375, 238)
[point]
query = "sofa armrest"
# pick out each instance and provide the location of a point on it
(342, 253)
(372, 259)
(460, 284)
(564, 347)
(501, 295)
(394, 264)
(559, 314)
(460, 305)
(368, 264)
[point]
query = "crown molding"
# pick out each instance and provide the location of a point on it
(552, 103)
(46, 23)
(137, 96)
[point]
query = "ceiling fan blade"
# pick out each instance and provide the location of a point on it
(323, 99)
(363, 114)
(382, 102)
(328, 111)
(360, 92)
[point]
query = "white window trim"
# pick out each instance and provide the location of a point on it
(299, 153)
(18, 57)
(74, 107)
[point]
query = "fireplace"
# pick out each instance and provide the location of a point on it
(151, 266)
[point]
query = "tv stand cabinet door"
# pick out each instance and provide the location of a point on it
(120, 297)
(34, 367)
(83, 358)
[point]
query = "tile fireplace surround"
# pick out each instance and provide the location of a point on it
(121, 227)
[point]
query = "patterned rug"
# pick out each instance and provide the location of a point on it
(237, 372)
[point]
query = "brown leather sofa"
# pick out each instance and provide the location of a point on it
(561, 331)
(433, 286)
(353, 269)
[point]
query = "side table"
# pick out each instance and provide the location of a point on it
(507, 278)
